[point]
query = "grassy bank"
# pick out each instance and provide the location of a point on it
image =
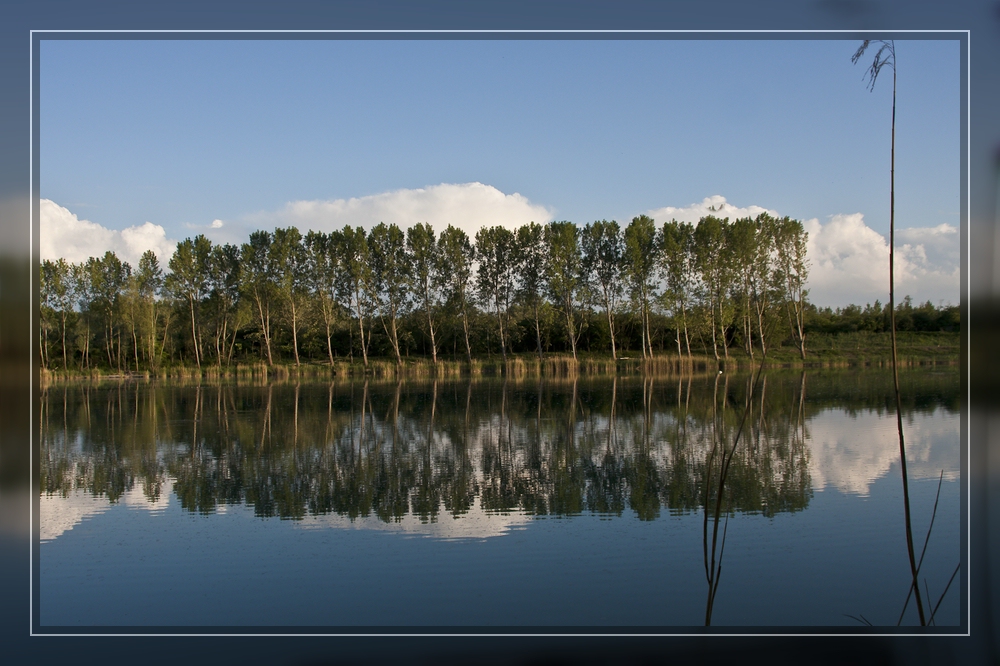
(822, 350)
(866, 348)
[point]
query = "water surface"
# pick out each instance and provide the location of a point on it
(499, 504)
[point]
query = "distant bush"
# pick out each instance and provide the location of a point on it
(875, 318)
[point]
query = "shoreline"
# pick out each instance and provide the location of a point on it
(520, 367)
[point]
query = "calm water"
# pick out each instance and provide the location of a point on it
(589, 503)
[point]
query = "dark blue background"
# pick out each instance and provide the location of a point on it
(17, 18)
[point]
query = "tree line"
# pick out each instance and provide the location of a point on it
(287, 297)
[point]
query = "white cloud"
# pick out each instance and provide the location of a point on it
(59, 514)
(468, 206)
(849, 262)
(62, 235)
(714, 205)
(850, 454)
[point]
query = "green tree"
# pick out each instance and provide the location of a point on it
(676, 244)
(257, 279)
(456, 257)
(713, 262)
(355, 279)
(149, 281)
(603, 249)
(532, 258)
(495, 249)
(422, 247)
(563, 274)
(108, 278)
(321, 272)
(46, 313)
(793, 270)
(224, 270)
(289, 261)
(390, 270)
(83, 295)
(188, 279)
(640, 268)
(57, 295)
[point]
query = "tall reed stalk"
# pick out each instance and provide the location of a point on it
(886, 55)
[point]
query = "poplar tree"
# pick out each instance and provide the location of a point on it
(563, 273)
(321, 273)
(289, 262)
(712, 258)
(495, 247)
(640, 268)
(149, 280)
(188, 278)
(531, 261)
(422, 248)
(257, 282)
(57, 294)
(676, 245)
(390, 270)
(456, 257)
(224, 290)
(793, 270)
(603, 248)
(355, 279)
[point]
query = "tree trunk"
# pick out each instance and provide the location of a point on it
(687, 340)
(295, 333)
(611, 325)
(361, 328)
(715, 346)
(194, 333)
(41, 345)
(649, 332)
(329, 343)
(570, 330)
(430, 325)
(722, 329)
(465, 326)
(108, 342)
(63, 319)
(503, 344)
(799, 317)
(395, 341)
(538, 331)
(166, 328)
(265, 327)
(135, 346)
(760, 329)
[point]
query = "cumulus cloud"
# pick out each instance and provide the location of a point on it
(849, 262)
(468, 206)
(850, 454)
(714, 205)
(63, 235)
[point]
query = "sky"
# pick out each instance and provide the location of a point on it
(144, 143)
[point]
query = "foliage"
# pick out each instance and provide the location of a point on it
(681, 288)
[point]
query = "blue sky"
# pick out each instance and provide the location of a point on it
(181, 134)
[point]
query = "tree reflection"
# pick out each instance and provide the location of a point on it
(356, 449)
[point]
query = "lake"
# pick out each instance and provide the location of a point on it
(595, 504)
